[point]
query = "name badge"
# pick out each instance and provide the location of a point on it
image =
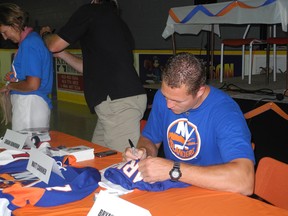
(41, 165)
(111, 205)
(13, 140)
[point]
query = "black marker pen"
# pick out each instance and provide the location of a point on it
(132, 147)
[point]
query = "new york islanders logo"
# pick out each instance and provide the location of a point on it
(183, 139)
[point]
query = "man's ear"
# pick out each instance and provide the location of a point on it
(201, 91)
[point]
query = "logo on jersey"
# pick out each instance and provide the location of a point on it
(130, 169)
(183, 139)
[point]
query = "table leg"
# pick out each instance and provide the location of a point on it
(267, 62)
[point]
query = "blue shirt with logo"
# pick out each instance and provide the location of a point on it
(214, 133)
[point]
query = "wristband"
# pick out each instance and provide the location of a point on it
(7, 84)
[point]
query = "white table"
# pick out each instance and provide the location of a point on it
(193, 19)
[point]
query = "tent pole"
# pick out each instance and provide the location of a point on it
(174, 44)
(208, 54)
(212, 52)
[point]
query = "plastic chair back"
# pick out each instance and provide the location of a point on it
(271, 182)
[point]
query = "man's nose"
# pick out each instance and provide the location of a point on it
(170, 104)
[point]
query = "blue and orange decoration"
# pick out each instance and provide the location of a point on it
(228, 8)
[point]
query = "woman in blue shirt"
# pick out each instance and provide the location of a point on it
(31, 76)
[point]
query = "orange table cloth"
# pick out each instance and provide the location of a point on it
(173, 202)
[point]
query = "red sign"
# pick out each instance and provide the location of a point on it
(70, 82)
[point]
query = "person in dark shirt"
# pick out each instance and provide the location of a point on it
(112, 87)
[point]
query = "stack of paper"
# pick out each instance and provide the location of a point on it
(81, 153)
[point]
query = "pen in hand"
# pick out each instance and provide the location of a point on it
(132, 147)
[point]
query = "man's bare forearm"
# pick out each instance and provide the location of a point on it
(56, 45)
(74, 61)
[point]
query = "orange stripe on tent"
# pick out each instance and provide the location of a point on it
(243, 5)
(234, 5)
(227, 9)
(173, 16)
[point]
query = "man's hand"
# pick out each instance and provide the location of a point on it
(154, 169)
(45, 30)
(134, 154)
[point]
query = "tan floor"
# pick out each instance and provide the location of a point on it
(73, 119)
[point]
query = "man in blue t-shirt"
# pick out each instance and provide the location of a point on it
(204, 134)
